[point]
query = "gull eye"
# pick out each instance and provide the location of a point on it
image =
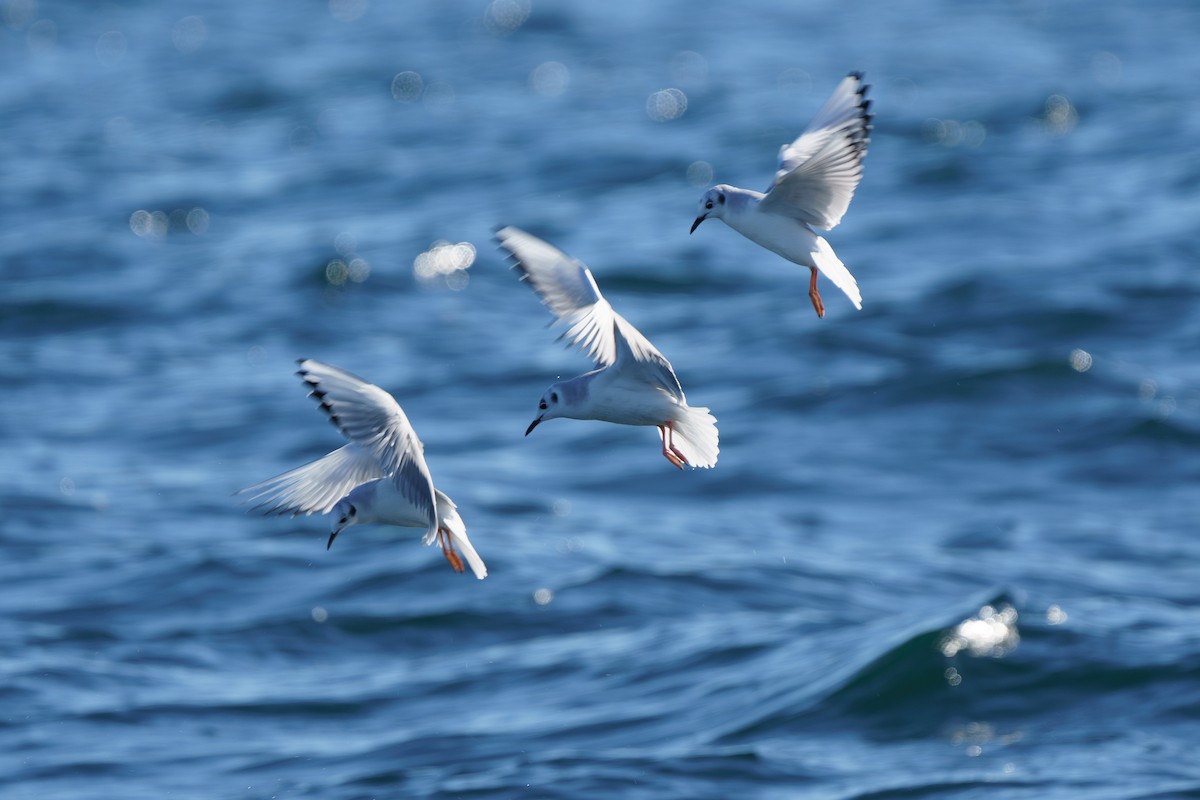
(708, 204)
(553, 397)
(542, 406)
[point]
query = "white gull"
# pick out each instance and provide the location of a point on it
(632, 384)
(380, 476)
(813, 186)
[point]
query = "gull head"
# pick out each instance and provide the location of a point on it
(711, 205)
(551, 405)
(344, 514)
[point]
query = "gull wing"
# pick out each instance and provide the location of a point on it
(566, 286)
(652, 365)
(317, 486)
(818, 173)
(373, 420)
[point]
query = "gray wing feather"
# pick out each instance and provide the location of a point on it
(820, 170)
(566, 286)
(317, 486)
(372, 419)
(652, 364)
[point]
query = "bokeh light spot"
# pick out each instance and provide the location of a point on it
(700, 173)
(666, 105)
(336, 272)
(1081, 360)
(319, 614)
(505, 16)
(197, 221)
(1166, 407)
(111, 48)
(345, 244)
(1055, 615)
(543, 596)
(445, 263)
(189, 34)
(139, 222)
(358, 270)
(550, 79)
(974, 133)
(407, 87)
(149, 224)
(992, 632)
(1060, 117)
(953, 132)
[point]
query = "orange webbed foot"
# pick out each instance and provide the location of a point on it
(448, 550)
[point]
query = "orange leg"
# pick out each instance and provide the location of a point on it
(669, 451)
(671, 443)
(448, 550)
(814, 295)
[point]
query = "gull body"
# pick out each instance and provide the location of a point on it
(633, 384)
(379, 477)
(814, 183)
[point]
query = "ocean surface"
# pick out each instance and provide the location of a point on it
(952, 545)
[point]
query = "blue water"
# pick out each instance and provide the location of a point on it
(950, 549)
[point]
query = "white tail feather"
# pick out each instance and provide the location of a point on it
(449, 519)
(833, 268)
(695, 436)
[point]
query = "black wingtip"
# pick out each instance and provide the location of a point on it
(502, 245)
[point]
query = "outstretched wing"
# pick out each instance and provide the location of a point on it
(373, 420)
(317, 486)
(819, 172)
(566, 286)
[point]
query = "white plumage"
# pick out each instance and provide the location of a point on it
(633, 384)
(380, 476)
(813, 185)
